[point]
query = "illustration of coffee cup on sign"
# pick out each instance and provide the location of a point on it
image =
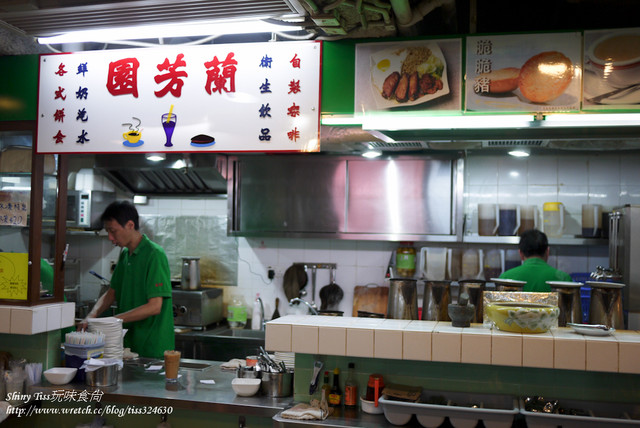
(132, 138)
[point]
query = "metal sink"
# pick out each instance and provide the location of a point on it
(230, 332)
(184, 363)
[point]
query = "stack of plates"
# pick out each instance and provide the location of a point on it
(288, 358)
(111, 327)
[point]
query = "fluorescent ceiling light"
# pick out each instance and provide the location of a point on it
(370, 154)
(592, 119)
(520, 153)
(340, 119)
(446, 122)
(155, 157)
(168, 30)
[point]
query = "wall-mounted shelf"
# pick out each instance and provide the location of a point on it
(514, 240)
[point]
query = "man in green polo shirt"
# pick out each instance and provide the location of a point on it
(140, 284)
(534, 252)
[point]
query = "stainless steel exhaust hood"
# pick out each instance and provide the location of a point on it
(177, 174)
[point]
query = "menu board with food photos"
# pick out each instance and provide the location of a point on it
(408, 76)
(611, 69)
(524, 72)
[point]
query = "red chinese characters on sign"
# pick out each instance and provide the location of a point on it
(123, 77)
(58, 116)
(221, 75)
(173, 75)
(295, 61)
(294, 87)
(61, 71)
(294, 110)
(59, 137)
(60, 94)
(294, 134)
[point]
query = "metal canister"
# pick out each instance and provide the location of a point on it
(190, 273)
(474, 289)
(403, 299)
(435, 301)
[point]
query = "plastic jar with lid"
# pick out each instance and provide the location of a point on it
(553, 219)
(406, 261)
(237, 313)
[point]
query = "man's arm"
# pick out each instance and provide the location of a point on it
(152, 307)
(103, 303)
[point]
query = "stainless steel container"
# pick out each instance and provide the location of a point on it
(103, 376)
(403, 299)
(190, 273)
(474, 289)
(606, 304)
(569, 302)
(277, 384)
(435, 301)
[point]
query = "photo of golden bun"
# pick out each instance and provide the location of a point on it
(500, 81)
(545, 76)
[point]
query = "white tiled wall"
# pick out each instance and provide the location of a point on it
(607, 179)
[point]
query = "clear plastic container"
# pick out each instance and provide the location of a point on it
(237, 314)
(553, 219)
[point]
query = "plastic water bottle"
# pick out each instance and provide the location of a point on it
(256, 317)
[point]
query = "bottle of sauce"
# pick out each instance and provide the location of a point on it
(406, 260)
(335, 395)
(326, 388)
(351, 388)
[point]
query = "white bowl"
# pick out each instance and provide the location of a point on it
(60, 375)
(245, 387)
(370, 407)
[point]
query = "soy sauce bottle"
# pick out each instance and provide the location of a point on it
(335, 395)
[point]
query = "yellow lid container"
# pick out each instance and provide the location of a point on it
(551, 206)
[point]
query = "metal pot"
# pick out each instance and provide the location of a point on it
(403, 299)
(103, 376)
(277, 384)
(190, 273)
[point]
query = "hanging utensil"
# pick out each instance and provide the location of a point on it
(276, 313)
(295, 279)
(331, 294)
(313, 385)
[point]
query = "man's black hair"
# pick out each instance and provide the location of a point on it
(533, 243)
(122, 212)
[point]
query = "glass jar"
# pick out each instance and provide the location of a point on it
(406, 261)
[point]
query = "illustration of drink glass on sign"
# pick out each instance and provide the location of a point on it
(168, 125)
(132, 138)
(524, 72)
(611, 69)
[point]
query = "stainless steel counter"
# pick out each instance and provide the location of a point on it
(138, 386)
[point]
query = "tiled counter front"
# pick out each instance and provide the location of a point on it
(560, 348)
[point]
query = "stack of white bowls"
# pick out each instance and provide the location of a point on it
(111, 327)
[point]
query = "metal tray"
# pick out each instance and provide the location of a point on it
(463, 409)
(602, 415)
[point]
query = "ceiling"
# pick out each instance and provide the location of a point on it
(21, 21)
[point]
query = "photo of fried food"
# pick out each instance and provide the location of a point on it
(420, 74)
